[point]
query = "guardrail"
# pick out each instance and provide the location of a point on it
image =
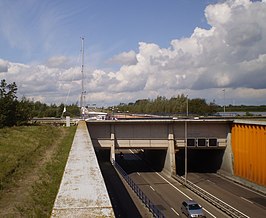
(152, 208)
(229, 210)
(53, 121)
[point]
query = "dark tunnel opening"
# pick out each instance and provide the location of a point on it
(148, 160)
(123, 204)
(155, 158)
(199, 160)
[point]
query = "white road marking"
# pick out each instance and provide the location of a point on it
(190, 197)
(182, 193)
(223, 202)
(247, 200)
(210, 181)
(174, 186)
(174, 211)
(226, 179)
(152, 188)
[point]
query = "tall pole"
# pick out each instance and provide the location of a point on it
(185, 151)
(186, 143)
(82, 97)
(187, 106)
(82, 73)
(224, 100)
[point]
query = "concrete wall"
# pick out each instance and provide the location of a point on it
(228, 159)
(155, 133)
(82, 191)
(164, 135)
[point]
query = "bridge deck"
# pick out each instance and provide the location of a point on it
(82, 191)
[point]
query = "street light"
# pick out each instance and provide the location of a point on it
(187, 106)
(224, 100)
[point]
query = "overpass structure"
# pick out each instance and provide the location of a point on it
(235, 147)
(164, 137)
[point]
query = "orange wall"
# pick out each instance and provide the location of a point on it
(249, 151)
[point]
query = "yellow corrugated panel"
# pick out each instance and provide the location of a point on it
(249, 151)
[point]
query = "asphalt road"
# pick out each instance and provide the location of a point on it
(125, 203)
(167, 194)
(251, 203)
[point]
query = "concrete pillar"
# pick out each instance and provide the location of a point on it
(170, 164)
(67, 121)
(112, 152)
(228, 158)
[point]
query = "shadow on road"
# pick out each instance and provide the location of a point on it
(121, 201)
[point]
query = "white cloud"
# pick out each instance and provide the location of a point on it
(231, 54)
(125, 58)
(218, 14)
(211, 58)
(3, 66)
(59, 62)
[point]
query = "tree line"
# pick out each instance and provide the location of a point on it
(19, 112)
(14, 112)
(178, 105)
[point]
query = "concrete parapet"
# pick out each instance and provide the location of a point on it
(82, 192)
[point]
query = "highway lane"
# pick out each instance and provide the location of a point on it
(251, 203)
(166, 193)
(125, 203)
(152, 191)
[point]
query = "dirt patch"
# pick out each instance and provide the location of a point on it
(17, 197)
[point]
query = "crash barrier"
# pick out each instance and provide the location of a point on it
(145, 200)
(229, 210)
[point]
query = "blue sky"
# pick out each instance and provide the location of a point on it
(135, 49)
(40, 29)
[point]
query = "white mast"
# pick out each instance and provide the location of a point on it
(82, 97)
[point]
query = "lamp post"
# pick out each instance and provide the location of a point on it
(224, 100)
(187, 106)
(186, 143)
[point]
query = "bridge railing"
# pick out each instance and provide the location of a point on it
(145, 200)
(232, 212)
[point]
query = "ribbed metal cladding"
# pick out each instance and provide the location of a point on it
(249, 151)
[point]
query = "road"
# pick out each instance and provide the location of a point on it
(167, 194)
(251, 203)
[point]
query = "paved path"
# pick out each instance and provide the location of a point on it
(82, 191)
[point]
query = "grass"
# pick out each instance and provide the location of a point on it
(51, 178)
(32, 159)
(18, 145)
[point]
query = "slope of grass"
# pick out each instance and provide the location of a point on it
(51, 178)
(32, 161)
(19, 146)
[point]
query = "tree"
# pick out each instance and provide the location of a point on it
(175, 105)
(23, 111)
(12, 111)
(198, 106)
(8, 103)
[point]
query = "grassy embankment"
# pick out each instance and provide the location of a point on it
(32, 161)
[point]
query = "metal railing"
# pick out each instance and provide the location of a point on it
(229, 210)
(145, 200)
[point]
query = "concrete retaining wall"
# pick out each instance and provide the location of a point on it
(82, 191)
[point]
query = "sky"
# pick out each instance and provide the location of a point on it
(141, 49)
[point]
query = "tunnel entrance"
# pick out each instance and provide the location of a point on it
(140, 160)
(199, 160)
(123, 204)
